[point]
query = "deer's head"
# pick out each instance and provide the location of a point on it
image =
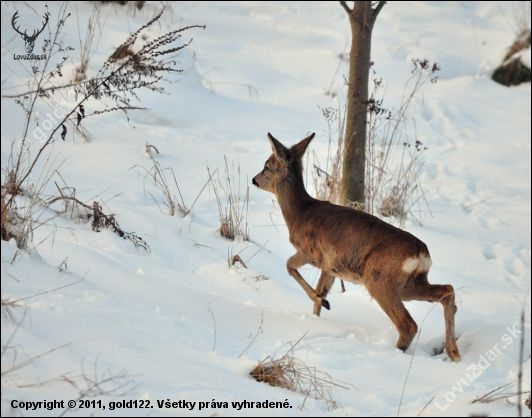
(29, 40)
(283, 165)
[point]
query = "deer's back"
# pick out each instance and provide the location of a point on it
(355, 245)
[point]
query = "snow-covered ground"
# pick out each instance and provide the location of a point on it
(177, 324)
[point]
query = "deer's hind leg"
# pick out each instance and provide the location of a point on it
(418, 288)
(389, 299)
(322, 289)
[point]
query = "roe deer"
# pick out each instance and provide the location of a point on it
(355, 246)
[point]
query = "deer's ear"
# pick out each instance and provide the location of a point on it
(299, 149)
(279, 150)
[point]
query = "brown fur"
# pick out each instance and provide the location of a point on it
(356, 246)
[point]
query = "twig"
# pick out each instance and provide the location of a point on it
(24, 363)
(69, 198)
(150, 148)
(98, 386)
(214, 327)
(426, 405)
(499, 393)
(520, 373)
(467, 207)
(259, 331)
(48, 291)
(412, 360)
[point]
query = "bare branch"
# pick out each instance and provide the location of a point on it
(377, 9)
(149, 61)
(346, 7)
(52, 89)
(100, 219)
(71, 198)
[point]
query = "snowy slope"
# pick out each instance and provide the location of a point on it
(183, 326)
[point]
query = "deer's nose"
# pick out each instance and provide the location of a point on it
(255, 182)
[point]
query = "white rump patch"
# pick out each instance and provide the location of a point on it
(421, 263)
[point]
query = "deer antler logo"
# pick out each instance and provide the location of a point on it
(29, 40)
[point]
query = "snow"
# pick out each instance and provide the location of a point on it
(179, 322)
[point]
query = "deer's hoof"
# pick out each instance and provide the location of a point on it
(325, 304)
(453, 354)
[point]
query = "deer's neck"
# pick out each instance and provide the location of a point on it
(293, 198)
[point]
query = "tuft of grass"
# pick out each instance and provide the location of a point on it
(290, 373)
(232, 203)
(394, 152)
(161, 179)
(102, 220)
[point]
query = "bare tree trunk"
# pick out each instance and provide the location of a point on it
(361, 18)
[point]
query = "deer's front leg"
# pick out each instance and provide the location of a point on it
(293, 263)
(322, 289)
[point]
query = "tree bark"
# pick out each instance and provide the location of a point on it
(361, 18)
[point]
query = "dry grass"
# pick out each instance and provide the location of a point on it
(87, 384)
(326, 179)
(112, 88)
(233, 259)
(90, 38)
(5, 232)
(281, 372)
(394, 152)
(8, 307)
(520, 21)
(293, 374)
(101, 220)
(23, 209)
(506, 392)
(232, 203)
(164, 181)
(513, 389)
(521, 42)
(161, 178)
